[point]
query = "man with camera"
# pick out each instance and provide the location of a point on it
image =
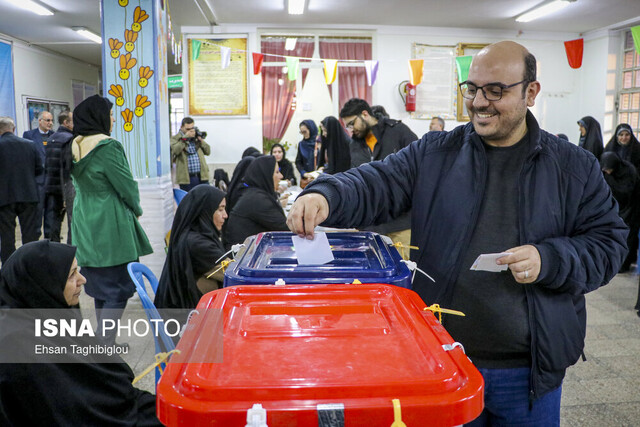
(188, 149)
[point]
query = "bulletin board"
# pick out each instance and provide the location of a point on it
(212, 89)
(436, 94)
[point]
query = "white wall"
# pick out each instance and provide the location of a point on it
(41, 74)
(593, 80)
(567, 94)
(555, 106)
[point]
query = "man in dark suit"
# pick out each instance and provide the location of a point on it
(40, 136)
(20, 164)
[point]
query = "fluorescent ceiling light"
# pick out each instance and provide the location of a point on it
(32, 6)
(543, 10)
(290, 43)
(88, 34)
(296, 7)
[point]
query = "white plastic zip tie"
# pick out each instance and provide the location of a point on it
(234, 249)
(256, 416)
(414, 267)
(449, 347)
(184, 327)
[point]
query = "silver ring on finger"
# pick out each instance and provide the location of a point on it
(526, 274)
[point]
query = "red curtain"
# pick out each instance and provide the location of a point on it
(277, 108)
(352, 80)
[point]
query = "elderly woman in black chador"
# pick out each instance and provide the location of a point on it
(334, 154)
(45, 275)
(624, 142)
(258, 208)
(194, 248)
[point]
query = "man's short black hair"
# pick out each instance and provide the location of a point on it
(187, 121)
(355, 106)
(63, 117)
(530, 71)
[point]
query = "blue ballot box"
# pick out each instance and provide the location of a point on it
(270, 258)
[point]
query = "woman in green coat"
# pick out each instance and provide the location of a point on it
(106, 209)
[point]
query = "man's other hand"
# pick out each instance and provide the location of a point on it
(524, 263)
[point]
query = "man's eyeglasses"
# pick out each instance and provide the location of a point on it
(352, 122)
(47, 120)
(491, 91)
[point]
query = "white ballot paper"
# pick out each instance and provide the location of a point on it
(313, 252)
(487, 262)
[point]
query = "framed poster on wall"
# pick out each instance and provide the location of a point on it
(465, 49)
(214, 89)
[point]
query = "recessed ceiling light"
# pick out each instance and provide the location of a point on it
(32, 6)
(543, 10)
(88, 34)
(296, 7)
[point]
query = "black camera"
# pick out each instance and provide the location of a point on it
(200, 134)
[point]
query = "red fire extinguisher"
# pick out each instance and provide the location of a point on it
(408, 95)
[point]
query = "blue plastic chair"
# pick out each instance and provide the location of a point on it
(178, 195)
(138, 272)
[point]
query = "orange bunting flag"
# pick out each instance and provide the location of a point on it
(257, 62)
(415, 71)
(330, 70)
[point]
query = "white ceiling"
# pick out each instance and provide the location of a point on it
(54, 32)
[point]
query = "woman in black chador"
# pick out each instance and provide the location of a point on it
(45, 275)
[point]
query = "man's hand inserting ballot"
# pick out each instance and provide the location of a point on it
(307, 211)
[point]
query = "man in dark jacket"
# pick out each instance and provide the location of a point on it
(19, 166)
(498, 184)
(374, 138)
(40, 137)
(58, 187)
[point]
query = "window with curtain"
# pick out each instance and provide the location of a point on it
(629, 95)
(278, 93)
(352, 77)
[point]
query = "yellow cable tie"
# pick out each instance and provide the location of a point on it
(223, 265)
(397, 414)
(402, 246)
(435, 308)
(160, 359)
(356, 282)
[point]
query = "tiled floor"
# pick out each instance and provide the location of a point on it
(605, 390)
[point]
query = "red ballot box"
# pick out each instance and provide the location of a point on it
(319, 355)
